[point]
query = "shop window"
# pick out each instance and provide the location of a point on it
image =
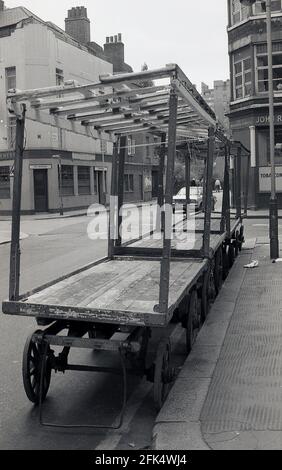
(11, 128)
(59, 77)
(264, 144)
(239, 12)
(83, 175)
(67, 188)
(242, 75)
(129, 183)
(131, 146)
(5, 192)
(11, 78)
(96, 182)
(259, 6)
(11, 83)
(148, 150)
(262, 67)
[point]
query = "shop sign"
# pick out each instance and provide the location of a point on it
(265, 179)
(40, 167)
(264, 120)
(7, 156)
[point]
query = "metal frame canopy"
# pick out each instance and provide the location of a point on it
(121, 104)
(110, 109)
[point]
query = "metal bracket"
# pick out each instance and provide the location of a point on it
(16, 109)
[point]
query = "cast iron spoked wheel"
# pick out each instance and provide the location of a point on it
(218, 270)
(31, 370)
(241, 238)
(231, 255)
(193, 321)
(163, 373)
(225, 263)
(207, 294)
(236, 244)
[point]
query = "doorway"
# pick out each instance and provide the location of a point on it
(40, 178)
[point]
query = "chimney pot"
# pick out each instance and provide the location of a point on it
(119, 37)
(107, 39)
(78, 24)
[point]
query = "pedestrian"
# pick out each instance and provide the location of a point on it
(217, 186)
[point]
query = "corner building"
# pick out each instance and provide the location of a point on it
(249, 109)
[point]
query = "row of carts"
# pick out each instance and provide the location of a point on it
(114, 304)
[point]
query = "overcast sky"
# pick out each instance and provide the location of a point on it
(191, 33)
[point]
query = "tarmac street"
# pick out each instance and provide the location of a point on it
(53, 248)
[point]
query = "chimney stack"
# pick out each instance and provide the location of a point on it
(114, 50)
(78, 25)
(2, 5)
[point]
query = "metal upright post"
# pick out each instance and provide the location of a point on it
(187, 180)
(61, 187)
(226, 195)
(165, 262)
(273, 205)
(246, 199)
(120, 184)
(14, 285)
(238, 183)
(160, 213)
(113, 222)
(208, 198)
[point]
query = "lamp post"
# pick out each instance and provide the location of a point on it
(273, 205)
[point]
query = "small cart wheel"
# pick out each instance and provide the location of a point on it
(225, 263)
(236, 244)
(31, 370)
(207, 294)
(231, 255)
(241, 238)
(218, 270)
(162, 374)
(193, 322)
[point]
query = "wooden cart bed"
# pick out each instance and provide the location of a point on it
(121, 292)
(183, 241)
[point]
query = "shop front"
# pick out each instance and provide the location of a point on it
(251, 127)
(52, 182)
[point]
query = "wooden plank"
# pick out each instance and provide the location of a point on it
(136, 289)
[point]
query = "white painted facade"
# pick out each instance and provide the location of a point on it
(37, 49)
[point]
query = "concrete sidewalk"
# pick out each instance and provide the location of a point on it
(5, 236)
(70, 214)
(229, 393)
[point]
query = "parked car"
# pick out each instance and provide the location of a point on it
(196, 199)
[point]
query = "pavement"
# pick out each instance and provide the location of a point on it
(261, 214)
(228, 395)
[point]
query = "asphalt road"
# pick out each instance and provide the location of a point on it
(54, 248)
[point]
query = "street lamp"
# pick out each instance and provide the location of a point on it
(273, 206)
